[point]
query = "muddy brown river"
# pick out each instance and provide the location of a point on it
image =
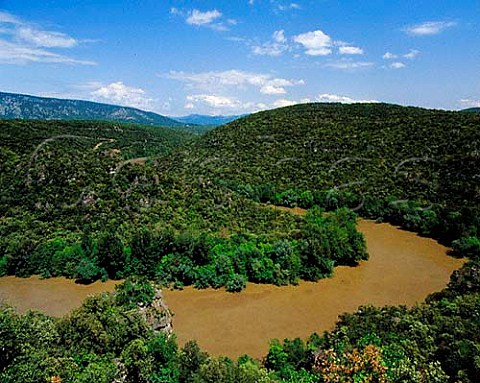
(403, 269)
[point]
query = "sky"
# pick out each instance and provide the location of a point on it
(234, 57)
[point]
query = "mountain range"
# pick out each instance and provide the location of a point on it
(26, 107)
(21, 106)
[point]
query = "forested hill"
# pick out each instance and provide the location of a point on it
(345, 153)
(385, 149)
(31, 107)
(472, 110)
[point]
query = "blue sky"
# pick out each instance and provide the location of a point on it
(230, 57)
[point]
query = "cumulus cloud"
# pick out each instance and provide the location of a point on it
(119, 93)
(389, 56)
(272, 89)
(315, 43)
(213, 101)
(326, 97)
(429, 28)
(215, 104)
(197, 17)
(212, 19)
(350, 50)
(26, 42)
(220, 81)
(412, 54)
(285, 102)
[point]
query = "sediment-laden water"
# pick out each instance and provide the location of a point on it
(403, 269)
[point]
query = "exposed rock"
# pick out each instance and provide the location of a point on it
(157, 314)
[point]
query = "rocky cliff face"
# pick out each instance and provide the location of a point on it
(157, 314)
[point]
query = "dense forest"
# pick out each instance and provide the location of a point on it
(95, 200)
(415, 167)
(90, 201)
(107, 340)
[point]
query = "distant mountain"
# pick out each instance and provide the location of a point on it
(472, 110)
(199, 119)
(34, 108)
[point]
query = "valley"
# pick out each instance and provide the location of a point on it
(403, 269)
(326, 226)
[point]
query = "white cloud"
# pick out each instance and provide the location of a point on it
(26, 42)
(412, 54)
(470, 103)
(211, 19)
(389, 56)
(14, 53)
(279, 36)
(285, 102)
(119, 93)
(350, 50)
(214, 82)
(397, 65)
(288, 7)
(276, 47)
(214, 101)
(6, 17)
(326, 97)
(429, 28)
(315, 43)
(349, 65)
(46, 39)
(272, 90)
(197, 17)
(215, 104)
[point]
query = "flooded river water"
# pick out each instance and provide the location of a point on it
(403, 269)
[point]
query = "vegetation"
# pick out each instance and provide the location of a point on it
(41, 108)
(411, 166)
(102, 207)
(92, 200)
(105, 340)
(472, 110)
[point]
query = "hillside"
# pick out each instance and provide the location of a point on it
(89, 200)
(472, 110)
(41, 108)
(97, 200)
(334, 154)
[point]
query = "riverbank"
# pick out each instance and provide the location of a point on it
(402, 270)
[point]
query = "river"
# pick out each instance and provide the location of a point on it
(403, 269)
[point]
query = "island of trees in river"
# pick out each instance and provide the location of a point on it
(92, 200)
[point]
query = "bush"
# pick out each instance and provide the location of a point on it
(467, 247)
(236, 283)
